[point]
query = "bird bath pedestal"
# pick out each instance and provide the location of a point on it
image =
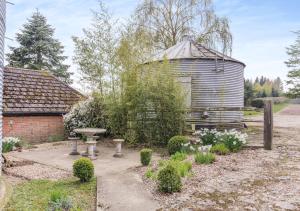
(118, 153)
(91, 149)
(89, 133)
(74, 145)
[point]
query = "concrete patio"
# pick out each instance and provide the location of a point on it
(120, 187)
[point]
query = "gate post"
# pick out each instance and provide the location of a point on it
(268, 125)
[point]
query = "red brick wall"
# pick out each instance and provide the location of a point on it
(33, 129)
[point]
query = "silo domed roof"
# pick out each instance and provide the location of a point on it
(189, 49)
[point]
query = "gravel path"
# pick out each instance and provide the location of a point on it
(289, 117)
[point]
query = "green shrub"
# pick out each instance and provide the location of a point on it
(118, 122)
(59, 201)
(150, 174)
(7, 147)
(207, 158)
(131, 137)
(220, 149)
(257, 103)
(181, 167)
(57, 196)
(151, 105)
(89, 113)
(146, 155)
(175, 144)
(180, 156)
(8, 143)
(232, 142)
(169, 180)
(83, 168)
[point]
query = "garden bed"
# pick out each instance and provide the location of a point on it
(34, 185)
(239, 181)
(251, 179)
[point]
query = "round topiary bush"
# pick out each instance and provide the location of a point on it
(175, 144)
(146, 155)
(169, 180)
(83, 168)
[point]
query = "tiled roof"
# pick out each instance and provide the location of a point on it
(28, 91)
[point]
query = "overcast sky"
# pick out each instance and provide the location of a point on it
(261, 28)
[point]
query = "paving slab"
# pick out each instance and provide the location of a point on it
(121, 187)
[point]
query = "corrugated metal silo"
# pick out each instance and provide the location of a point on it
(2, 35)
(213, 81)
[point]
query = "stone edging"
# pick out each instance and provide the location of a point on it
(100, 205)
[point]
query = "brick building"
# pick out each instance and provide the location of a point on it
(34, 103)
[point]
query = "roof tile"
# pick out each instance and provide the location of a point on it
(36, 91)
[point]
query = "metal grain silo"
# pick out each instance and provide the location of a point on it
(214, 83)
(2, 35)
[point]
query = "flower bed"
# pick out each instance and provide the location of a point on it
(209, 143)
(232, 139)
(9, 143)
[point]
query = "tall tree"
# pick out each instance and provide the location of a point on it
(278, 86)
(248, 91)
(38, 49)
(96, 51)
(294, 63)
(169, 20)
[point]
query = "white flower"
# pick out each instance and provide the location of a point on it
(186, 144)
(11, 140)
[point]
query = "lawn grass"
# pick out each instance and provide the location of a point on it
(5, 191)
(35, 194)
(276, 108)
(252, 113)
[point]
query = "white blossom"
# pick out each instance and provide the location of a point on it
(11, 140)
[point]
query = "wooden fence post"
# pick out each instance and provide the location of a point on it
(268, 125)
